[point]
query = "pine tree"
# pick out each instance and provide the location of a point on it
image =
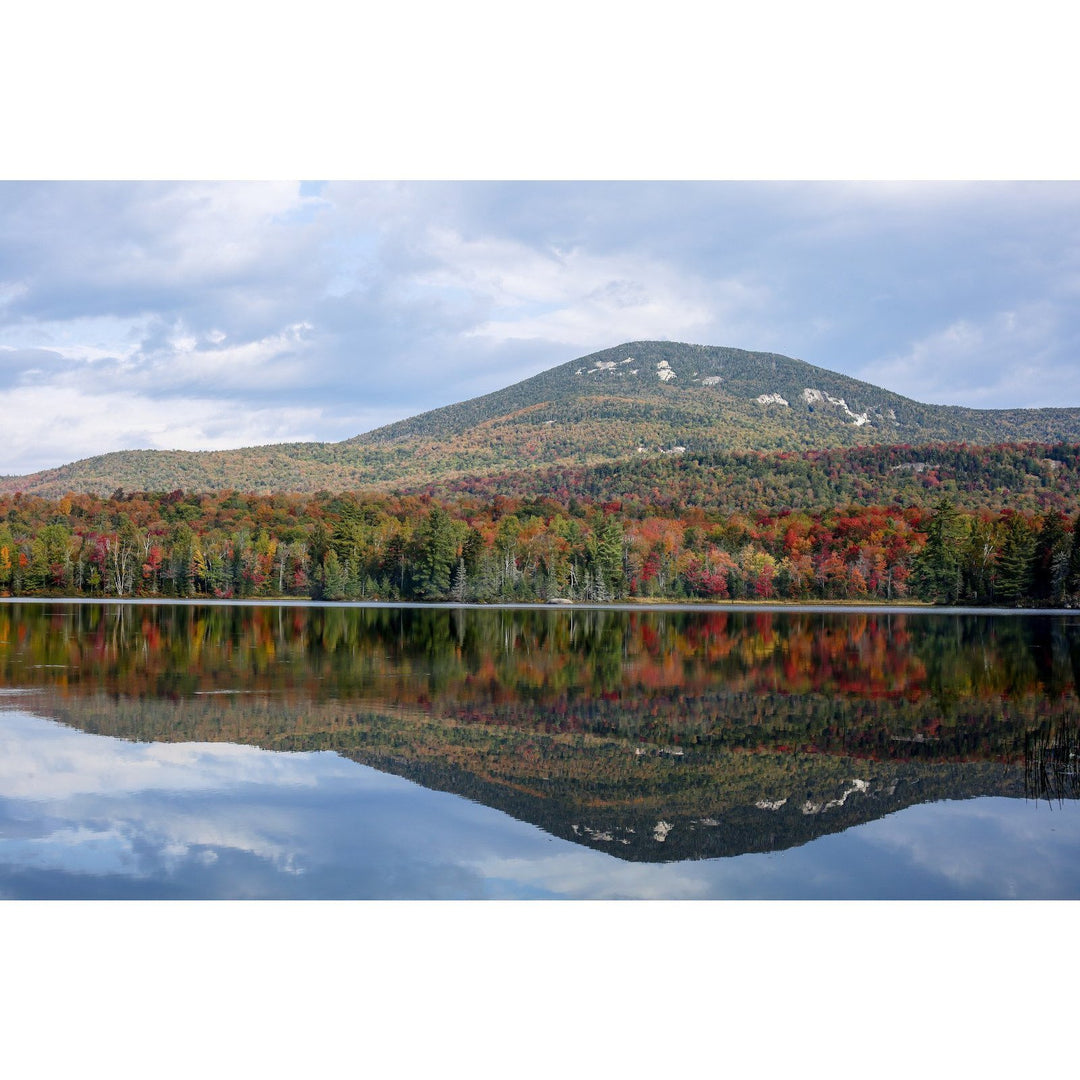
(334, 577)
(605, 551)
(1016, 566)
(939, 565)
(980, 562)
(436, 552)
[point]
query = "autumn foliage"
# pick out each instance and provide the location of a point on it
(468, 547)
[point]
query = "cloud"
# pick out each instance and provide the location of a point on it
(51, 425)
(77, 250)
(363, 303)
(1010, 359)
(991, 847)
(579, 299)
(185, 361)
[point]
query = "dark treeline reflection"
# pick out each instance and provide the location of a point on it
(454, 656)
(754, 730)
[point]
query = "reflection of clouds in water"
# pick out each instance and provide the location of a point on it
(586, 874)
(992, 847)
(43, 760)
(105, 835)
(89, 804)
(78, 849)
(85, 815)
(579, 874)
(89, 815)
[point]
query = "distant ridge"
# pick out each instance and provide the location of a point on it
(641, 399)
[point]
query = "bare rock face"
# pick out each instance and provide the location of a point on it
(819, 397)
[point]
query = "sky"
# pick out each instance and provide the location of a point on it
(209, 315)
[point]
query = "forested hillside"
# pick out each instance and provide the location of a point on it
(1028, 476)
(643, 400)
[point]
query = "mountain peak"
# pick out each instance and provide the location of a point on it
(640, 397)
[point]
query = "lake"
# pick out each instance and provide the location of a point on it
(220, 750)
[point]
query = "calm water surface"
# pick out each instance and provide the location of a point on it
(263, 751)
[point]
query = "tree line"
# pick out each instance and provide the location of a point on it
(376, 546)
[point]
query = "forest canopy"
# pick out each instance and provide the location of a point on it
(989, 525)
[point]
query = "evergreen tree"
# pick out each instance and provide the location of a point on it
(334, 577)
(436, 552)
(1016, 566)
(318, 544)
(605, 552)
(183, 557)
(939, 565)
(472, 549)
(394, 563)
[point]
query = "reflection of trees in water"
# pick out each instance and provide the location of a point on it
(1052, 764)
(939, 668)
(983, 656)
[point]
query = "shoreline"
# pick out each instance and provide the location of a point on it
(638, 606)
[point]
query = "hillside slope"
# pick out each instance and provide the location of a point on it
(1032, 477)
(637, 400)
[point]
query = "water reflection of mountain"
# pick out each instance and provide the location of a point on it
(653, 735)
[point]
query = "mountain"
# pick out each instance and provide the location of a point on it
(643, 399)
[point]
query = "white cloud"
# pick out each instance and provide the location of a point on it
(63, 769)
(583, 300)
(987, 846)
(274, 362)
(47, 426)
(1007, 360)
(592, 875)
(86, 338)
(147, 238)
